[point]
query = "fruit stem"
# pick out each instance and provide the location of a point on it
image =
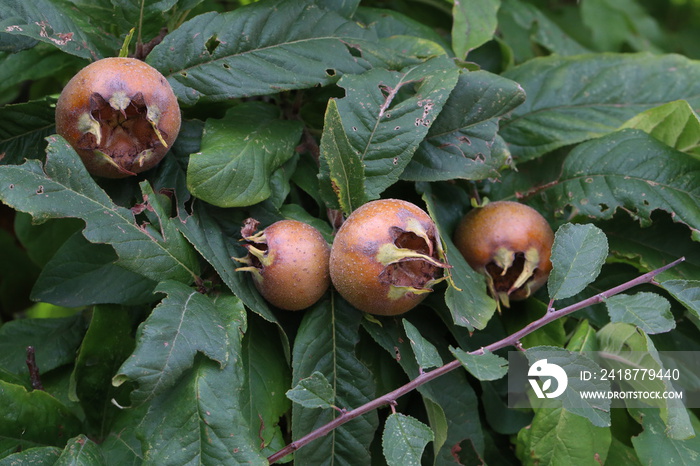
(511, 340)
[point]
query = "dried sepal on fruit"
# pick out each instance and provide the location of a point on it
(386, 257)
(510, 243)
(120, 115)
(288, 261)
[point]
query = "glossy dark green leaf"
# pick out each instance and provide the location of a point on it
(572, 99)
(54, 340)
(468, 301)
(633, 171)
(23, 128)
(200, 420)
(82, 273)
(63, 188)
(184, 323)
(250, 51)
(267, 371)
(107, 343)
(326, 343)
(32, 419)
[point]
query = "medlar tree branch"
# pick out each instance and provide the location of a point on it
(511, 340)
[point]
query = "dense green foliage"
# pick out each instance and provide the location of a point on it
(151, 348)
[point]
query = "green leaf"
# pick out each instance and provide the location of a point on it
(262, 48)
(384, 116)
(557, 436)
(239, 153)
(63, 188)
(578, 254)
(342, 173)
(611, 24)
(486, 366)
(653, 446)
(404, 440)
(267, 371)
(450, 402)
(325, 343)
(473, 24)
(36, 455)
(81, 451)
(675, 124)
(184, 323)
(33, 418)
(572, 99)
(468, 300)
(600, 176)
(463, 142)
(653, 246)
(23, 128)
(55, 342)
(427, 355)
(107, 343)
(48, 22)
(82, 273)
(687, 292)
(526, 29)
(626, 343)
(648, 311)
(199, 420)
(313, 391)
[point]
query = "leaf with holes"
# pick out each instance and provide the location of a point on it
(464, 142)
(633, 171)
(380, 122)
(404, 440)
(249, 51)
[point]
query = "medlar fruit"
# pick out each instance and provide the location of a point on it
(288, 261)
(510, 243)
(386, 257)
(120, 115)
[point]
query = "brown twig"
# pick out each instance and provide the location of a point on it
(34, 375)
(510, 340)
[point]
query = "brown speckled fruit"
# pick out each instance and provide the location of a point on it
(510, 243)
(386, 257)
(288, 261)
(120, 115)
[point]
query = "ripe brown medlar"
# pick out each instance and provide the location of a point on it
(510, 243)
(120, 115)
(386, 257)
(288, 261)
